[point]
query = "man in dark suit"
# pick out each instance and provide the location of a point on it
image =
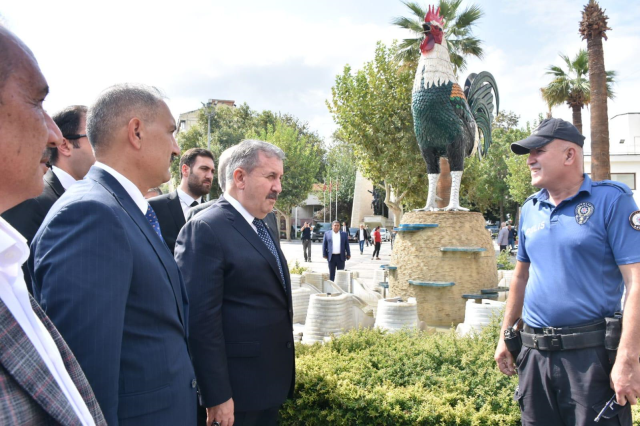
(335, 248)
(41, 382)
(121, 304)
(270, 220)
(238, 281)
(197, 168)
(70, 162)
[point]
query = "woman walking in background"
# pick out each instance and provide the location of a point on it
(377, 238)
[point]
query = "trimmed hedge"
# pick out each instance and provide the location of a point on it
(370, 377)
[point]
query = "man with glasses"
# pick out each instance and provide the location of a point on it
(69, 162)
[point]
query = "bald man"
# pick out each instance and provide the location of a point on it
(40, 379)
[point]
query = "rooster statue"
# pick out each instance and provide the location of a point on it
(448, 121)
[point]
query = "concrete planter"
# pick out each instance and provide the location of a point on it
(328, 314)
(396, 315)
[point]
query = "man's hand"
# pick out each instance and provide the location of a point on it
(222, 414)
(625, 379)
(324, 257)
(504, 359)
(348, 257)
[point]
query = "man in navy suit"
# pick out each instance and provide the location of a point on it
(238, 283)
(105, 277)
(335, 248)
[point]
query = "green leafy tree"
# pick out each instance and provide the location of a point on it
(458, 31)
(340, 164)
(571, 85)
(300, 166)
(231, 125)
(372, 108)
(498, 182)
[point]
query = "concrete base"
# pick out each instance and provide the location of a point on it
(418, 257)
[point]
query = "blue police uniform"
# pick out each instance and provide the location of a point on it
(574, 250)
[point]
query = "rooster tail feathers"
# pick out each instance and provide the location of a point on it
(480, 90)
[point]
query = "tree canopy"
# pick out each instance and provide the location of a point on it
(458, 31)
(372, 108)
(230, 125)
(571, 85)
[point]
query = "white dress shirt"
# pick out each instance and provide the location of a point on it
(361, 238)
(128, 186)
(66, 180)
(13, 292)
(335, 238)
(185, 202)
(236, 205)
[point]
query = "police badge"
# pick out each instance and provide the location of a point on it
(634, 220)
(584, 212)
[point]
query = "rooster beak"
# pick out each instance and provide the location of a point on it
(426, 27)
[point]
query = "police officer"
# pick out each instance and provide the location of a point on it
(579, 242)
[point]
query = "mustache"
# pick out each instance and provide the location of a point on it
(272, 196)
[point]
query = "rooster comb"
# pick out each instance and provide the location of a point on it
(433, 14)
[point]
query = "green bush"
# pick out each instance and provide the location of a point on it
(370, 377)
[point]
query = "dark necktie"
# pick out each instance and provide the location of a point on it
(153, 220)
(266, 239)
(195, 203)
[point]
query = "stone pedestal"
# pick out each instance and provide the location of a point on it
(443, 263)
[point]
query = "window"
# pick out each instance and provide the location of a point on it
(628, 179)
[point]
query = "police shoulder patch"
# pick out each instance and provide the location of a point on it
(584, 212)
(634, 220)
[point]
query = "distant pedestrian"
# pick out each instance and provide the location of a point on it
(368, 240)
(503, 237)
(377, 238)
(512, 237)
(335, 248)
(306, 241)
(363, 236)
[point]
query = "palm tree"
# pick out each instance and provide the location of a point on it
(457, 29)
(593, 28)
(571, 86)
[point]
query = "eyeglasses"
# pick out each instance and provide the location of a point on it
(73, 137)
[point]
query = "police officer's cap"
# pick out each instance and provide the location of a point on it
(547, 131)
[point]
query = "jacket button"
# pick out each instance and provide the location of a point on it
(289, 345)
(194, 383)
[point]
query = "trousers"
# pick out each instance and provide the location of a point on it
(566, 388)
(306, 249)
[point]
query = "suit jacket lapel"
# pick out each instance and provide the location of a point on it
(52, 180)
(241, 225)
(175, 208)
(113, 186)
(23, 362)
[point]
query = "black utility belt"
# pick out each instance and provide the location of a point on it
(565, 338)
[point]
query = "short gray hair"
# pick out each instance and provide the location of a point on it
(223, 162)
(335, 221)
(246, 155)
(116, 106)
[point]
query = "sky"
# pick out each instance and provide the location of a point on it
(284, 55)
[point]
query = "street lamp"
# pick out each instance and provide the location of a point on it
(210, 114)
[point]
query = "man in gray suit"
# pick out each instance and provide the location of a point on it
(40, 379)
